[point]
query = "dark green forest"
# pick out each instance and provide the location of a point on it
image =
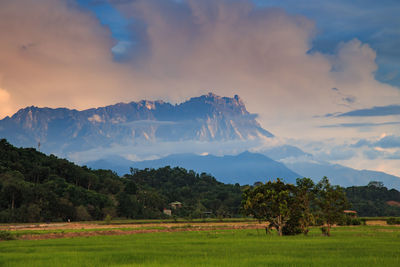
(374, 199)
(36, 187)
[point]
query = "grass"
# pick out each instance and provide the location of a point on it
(144, 221)
(348, 246)
(62, 231)
(178, 220)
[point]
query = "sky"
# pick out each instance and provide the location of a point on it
(321, 75)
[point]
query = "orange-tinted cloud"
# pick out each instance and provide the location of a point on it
(55, 54)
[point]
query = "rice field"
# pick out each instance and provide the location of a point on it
(348, 246)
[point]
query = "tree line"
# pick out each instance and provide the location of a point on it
(36, 187)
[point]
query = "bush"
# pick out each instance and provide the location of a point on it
(108, 219)
(356, 221)
(346, 220)
(6, 235)
(392, 221)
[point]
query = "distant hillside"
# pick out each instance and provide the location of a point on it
(374, 200)
(61, 131)
(245, 168)
(36, 187)
(343, 176)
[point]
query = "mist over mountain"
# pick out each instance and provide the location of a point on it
(61, 131)
(342, 175)
(248, 168)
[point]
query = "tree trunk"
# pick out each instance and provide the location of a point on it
(280, 225)
(280, 230)
(328, 233)
(13, 201)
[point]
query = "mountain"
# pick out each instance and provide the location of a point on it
(342, 175)
(245, 168)
(117, 164)
(205, 118)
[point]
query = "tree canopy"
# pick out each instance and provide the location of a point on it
(291, 208)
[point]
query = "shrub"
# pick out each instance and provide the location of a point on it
(346, 220)
(6, 235)
(356, 221)
(108, 219)
(392, 221)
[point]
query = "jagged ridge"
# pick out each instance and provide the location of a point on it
(204, 118)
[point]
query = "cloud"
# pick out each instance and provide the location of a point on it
(374, 111)
(389, 141)
(4, 102)
(383, 142)
(361, 143)
(362, 124)
(260, 53)
(95, 118)
(336, 153)
(394, 156)
(162, 149)
(56, 54)
(4, 96)
(373, 154)
(374, 22)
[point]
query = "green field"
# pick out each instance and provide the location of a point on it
(348, 246)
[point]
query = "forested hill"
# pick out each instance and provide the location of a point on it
(37, 187)
(374, 200)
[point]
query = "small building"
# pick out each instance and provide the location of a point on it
(175, 205)
(167, 212)
(351, 213)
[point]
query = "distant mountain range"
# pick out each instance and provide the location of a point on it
(342, 175)
(245, 168)
(248, 168)
(205, 118)
(108, 137)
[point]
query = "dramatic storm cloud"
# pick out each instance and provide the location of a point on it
(63, 57)
(53, 54)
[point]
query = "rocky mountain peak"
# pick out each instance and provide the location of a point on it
(204, 118)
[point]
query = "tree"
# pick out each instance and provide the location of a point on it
(376, 184)
(331, 201)
(305, 194)
(271, 202)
